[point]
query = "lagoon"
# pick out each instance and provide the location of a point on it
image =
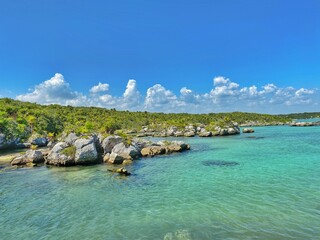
(270, 190)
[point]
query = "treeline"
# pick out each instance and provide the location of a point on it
(23, 119)
(305, 115)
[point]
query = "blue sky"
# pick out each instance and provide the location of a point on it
(171, 56)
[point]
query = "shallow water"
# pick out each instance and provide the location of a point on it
(273, 192)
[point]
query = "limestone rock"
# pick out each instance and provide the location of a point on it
(126, 152)
(127, 162)
(141, 143)
(31, 156)
(40, 141)
(189, 134)
(71, 138)
(178, 134)
(109, 142)
(205, 134)
(123, 171)
(58, 158)
(248, 130)
(86, 152)
(232, 131)
(153, 151)
(115, 158)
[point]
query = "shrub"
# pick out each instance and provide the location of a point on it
(69, 151)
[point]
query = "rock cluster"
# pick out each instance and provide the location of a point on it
(75, 151)
(123, 154)
(164, 147)
(29, 158)
(304, 124)
(86, 150)
(191, 131)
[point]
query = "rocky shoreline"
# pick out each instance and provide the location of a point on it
(93, 149)
(190, 131)
(305, 124)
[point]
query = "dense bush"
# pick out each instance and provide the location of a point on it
(23, 118)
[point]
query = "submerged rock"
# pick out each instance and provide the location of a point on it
(219, 163)
(122, 171)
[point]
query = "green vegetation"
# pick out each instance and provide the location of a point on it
(21, 119)
(69, 151)
(304, 115)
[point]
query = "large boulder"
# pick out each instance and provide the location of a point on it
(86, 152)
(179, 134)
(189, 133)
(171, 131)
(182, 145)
(218, 131)
(31, 156)
(109, 142)
(141, 143)
(114, 158)
(71, 138)
(39, 141)
(232, 131)
(248, 130)
(153, 151)
(204, 133)
(62, 154)
(174, 146)
(126, 151)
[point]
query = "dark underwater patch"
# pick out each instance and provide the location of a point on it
(219, 163)
(253, 137)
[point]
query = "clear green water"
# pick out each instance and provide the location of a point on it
(274, 193)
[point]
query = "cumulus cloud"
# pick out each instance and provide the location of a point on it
(101, 87)
(225, 95)
(54, 90)
(220, 81)
(158, 97)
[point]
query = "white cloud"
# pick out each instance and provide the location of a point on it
(131, 97)
(269, 88)
(54, 90)
(185, 91)
(220, 81)
(159, 98)
(101, 87)
(303, 91)
(225, 96)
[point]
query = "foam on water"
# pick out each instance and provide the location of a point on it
(272, 193)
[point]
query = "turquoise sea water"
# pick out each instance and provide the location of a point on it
(270, 191)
